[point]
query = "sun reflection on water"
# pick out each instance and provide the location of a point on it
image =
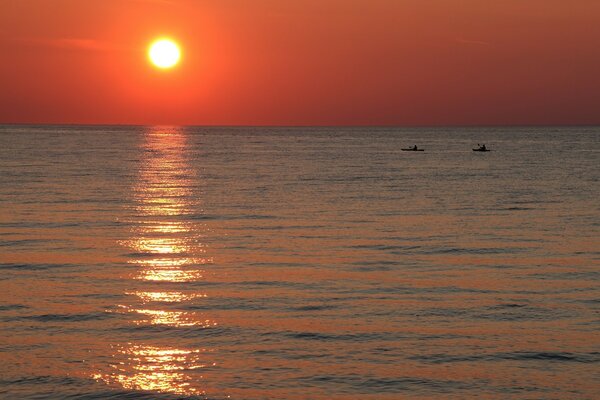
(158, 369)
(167, 227)
(168, 317)
(173, 318)
(159, 246)
(166, 297)
(166, 249)
(169, 275)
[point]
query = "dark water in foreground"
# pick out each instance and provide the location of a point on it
(299, 263)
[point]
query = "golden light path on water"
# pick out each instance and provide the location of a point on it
(157, 369)
(166, 251)
(165, 297)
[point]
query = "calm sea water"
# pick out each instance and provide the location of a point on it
(255, 263)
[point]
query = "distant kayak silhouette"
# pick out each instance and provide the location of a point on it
(414, 148)
(481, 148)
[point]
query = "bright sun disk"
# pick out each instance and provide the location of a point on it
(164, 53)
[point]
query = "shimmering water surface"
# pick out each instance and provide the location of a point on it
(305, 263)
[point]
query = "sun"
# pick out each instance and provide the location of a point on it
(164, 53)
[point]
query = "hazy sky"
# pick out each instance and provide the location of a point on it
(302, 62)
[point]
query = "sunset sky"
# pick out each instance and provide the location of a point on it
(302, 62)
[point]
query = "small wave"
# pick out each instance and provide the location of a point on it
(404, 249)
(383, 247)
(26, 242)
(593, 357)
(313, 307)
(287, 227)
(571, 275)
(508, 305)
(38, 224)
(230, 217)
(456, 289)
(67, 317)
(376, 265)
(521, 313)
(228, 304)
(351, 337)
(9, 307)
(170, 331)
(481, 250)
(34, 267)
(298, 285)
(372, 268)
(43, 379)
(370, 384)
(13, 348)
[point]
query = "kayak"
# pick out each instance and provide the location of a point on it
(481, 150)
(412, 149)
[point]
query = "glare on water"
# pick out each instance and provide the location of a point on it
(161, 246)
(155, 369)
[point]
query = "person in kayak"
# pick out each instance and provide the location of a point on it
(414, 147)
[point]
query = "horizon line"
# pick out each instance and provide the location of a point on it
(302, 125)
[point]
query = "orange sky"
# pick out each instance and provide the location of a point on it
(302, 62)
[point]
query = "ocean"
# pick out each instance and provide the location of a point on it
(299, 263)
